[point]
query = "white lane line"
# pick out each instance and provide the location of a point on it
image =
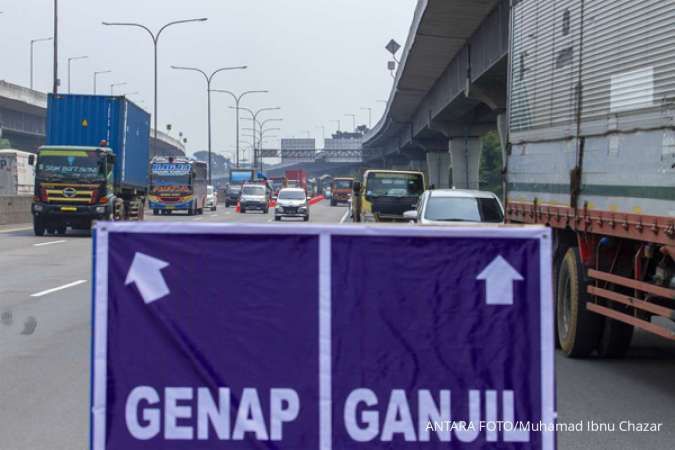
(60, 288)
(44, 244)
(345, 217)
(14, 230)
(199, 218)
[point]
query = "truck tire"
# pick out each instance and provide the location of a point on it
(615, 339)
(38, 227)
(61, 230)
(155, 212)
(333, 203)
(578, 329)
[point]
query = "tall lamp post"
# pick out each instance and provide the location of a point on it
(32, 59)
(353, 116)
(339, 124)
(254, 115)
(370, 116)
(114, 85)
(155, 40)
(209, 79)
(96, 74)
(237, 102)
(70, 60)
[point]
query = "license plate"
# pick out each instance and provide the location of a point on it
(68, 209)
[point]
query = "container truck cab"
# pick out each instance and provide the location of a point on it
(73, 188)
(385, 195)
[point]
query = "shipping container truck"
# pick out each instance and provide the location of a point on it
(592, 154)
(94, 165)
(297, 179)
(241, 176)
(17, 173)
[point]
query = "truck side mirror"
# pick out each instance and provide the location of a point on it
(31, 160)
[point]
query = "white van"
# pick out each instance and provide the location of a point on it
(17, 172)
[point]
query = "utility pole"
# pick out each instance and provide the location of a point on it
(55, 89)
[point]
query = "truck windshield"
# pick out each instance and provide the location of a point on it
(464, 209)
(394, 185)
(65, 164)
(343, 184)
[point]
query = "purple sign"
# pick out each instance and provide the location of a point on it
(275, 337)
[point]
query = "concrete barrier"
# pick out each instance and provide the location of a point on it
(15, 209)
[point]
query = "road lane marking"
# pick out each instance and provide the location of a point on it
(199, 218)
(44, 244)
(345, 217)
(60, 288)
(14, 230)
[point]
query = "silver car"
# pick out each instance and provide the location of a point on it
(292, 202)
(254, 197)
(443, 206)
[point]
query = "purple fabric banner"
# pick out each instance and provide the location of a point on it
(268, 337)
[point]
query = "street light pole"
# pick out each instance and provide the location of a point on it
(70, 60)
(114, 85)
(339, 124)
(209, 79)
(255, 114)
(155, 40)
(96, 74)
(237, 101)
(353, 116)
(370, 116)
(32, 52)
(55, 89)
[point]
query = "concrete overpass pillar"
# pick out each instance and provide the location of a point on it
(438, 169)
(466, 154)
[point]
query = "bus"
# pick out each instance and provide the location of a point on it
(177, 184)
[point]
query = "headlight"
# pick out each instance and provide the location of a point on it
(38, 208)
(303, 208)
(279, 207)
(100, 210)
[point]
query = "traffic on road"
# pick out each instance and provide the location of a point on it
(489, 264)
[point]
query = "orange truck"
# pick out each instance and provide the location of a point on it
(341, 190)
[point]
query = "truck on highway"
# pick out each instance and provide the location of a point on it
(177, 184)
(591, 153)
(385, 195)
(341, 190)
(241, 176)
(297, 179)
(17, 173)
(94, 165)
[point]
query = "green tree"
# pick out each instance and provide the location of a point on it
(491, 164)
(4, 144)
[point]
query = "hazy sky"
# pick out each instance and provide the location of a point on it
(320, 59)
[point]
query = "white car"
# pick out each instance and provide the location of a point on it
(292, 202)
(211, 198)
(443, 206)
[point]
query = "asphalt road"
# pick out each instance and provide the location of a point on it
(45, 343)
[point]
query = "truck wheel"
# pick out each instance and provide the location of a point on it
(333, 203)
(61, 230)
(155, 212)
(578, 329)
(615, 340)
(38, 227)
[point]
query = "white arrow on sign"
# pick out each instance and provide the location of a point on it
(499, 277)
(146, 272)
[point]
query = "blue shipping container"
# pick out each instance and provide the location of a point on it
(86, 120)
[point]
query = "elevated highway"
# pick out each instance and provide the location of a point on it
(23, 114)
(450, 89)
